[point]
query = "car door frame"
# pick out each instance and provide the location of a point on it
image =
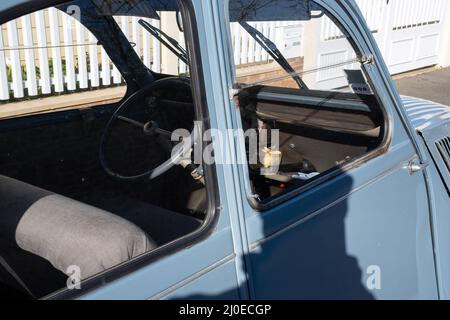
(379, 79)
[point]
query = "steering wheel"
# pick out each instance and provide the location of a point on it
(150, 128)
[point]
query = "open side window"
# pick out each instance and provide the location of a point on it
(303, 90)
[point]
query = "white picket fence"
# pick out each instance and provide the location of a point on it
(285, 35)
(50, 52)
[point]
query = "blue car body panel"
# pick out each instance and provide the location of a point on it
(322, 243)
(432, 121)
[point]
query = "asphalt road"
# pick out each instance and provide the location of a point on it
(433, 86)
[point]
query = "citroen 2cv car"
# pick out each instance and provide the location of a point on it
(236, 164)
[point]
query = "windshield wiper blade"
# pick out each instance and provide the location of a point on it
(166, 40)
(273, 51)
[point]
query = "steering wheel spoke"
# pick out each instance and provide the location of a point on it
(163, 133)
(131, 121)
(149, 127)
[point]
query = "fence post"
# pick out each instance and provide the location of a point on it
(312, 31)
(4, 86)
(58, 76)
(236, 36)
(146, 45)
(29, 56)
(169, 62)
(106, 69)
(387, 29)
(156, 48)
(44, 71)
(16, 70)
(125, 26)
(67, 22)
(81, 54)
(136, 35)
(183, 68)
(94, 76)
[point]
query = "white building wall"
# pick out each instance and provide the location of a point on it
(445, 49)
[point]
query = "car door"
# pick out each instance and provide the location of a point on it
(359, 230)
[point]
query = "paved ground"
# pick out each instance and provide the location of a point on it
(434, 86)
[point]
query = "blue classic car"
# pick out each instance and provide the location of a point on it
(194, 149)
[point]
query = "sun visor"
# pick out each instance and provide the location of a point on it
(137, 8)
(240, 10)
(269, 10)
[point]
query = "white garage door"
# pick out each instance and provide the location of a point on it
(407, 31)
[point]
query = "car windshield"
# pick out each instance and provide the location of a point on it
(122, 27)
(246, 13)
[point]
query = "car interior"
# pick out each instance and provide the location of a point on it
(96, 187)
(318, 131)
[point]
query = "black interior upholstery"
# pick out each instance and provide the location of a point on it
(59, 152)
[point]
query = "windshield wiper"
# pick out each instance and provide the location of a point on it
(273, 51)
(166, 40)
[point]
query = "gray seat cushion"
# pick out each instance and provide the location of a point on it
(70, 233)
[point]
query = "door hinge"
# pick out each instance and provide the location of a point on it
(233, 92)
(367, 59)
(415, 166)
